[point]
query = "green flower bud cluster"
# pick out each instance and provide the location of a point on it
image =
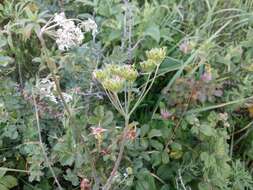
(114, 84)
(155, 57)
(100, 74)
(148, 66)
(114, 77)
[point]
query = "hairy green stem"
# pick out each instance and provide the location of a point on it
(145, 91)
(108, 184)
(49, 65)
(41, 144)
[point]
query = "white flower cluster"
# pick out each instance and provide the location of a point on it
(68, 35)
(47, 88)
(90, 26)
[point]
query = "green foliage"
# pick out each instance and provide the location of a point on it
(7, 181)
(193, 130)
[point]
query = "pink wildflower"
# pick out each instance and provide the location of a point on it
(85, 184)
(131, 134)
(97, 130)
(165, 114)
(185, 47)
(206, 77)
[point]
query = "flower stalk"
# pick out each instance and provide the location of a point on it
(119, 78)
(51, 67)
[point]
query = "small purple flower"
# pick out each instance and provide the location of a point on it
(218, 93)
(165, 114)
(97, 130)
(185, 47)
(206, 77)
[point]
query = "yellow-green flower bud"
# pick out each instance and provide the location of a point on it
(129, 73)
(114, 84)
(129, 170)
(100, 74)
(156, 54)
(148, 66)
(112, 69)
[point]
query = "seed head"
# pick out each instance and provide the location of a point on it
(114, 84)
(156, 54)
(128, 72)
(148, 65)
(100, 74)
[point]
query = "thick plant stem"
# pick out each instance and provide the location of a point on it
(49, 65)
(58, 88)
(41, 144)
(108, 184)
(61, 4)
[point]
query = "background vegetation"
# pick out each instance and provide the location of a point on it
(193, 129)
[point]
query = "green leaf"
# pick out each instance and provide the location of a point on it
(154, 133)
(153, 31)
(164, 171)
(11, 132)
(169, 64)
(72, 177)
(144, 130)
(204, 186)
(2, 172)
(144, 143)
(2, 187)
(208, 159)
(195, 130)
(5, 60)
(165, 157)
(145, 156)
(104, 8)
(8, 181)
(99, 111)
(156, 144)
(176, 146)
(88, 2)
(165, 187)
(108, 118)
(207, 130)
(166, 132)
(27, 31)
(145, 182)
(192, 119)
(3, 41)
(165, 34)
(156, 158)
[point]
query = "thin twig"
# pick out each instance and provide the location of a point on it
(108, 184)
(13, 170)
(114, 103)
(137, 44)
(124, 30)
(49, 65)
(61, 3)
(145, 93)
(232, 142)
(158, 178)
(181, 180)
(41, 143)
(242, 129)
(181, 118)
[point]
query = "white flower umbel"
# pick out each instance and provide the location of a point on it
(47, 88)
(68, 35)
(67, 97)
(68, 32)
(90, 26)
(60, 18)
